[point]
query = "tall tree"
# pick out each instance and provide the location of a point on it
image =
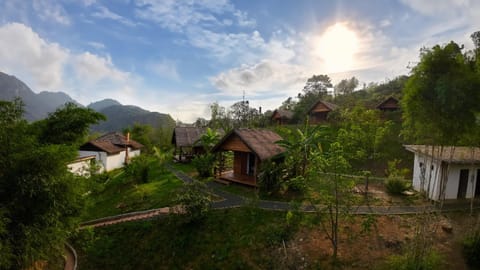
(39, 199)
(346, 86)
(67, 125)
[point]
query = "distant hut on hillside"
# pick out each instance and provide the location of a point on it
(388, 105)
(187, 142)
(250, 148)
(319, 111)
(281, 117)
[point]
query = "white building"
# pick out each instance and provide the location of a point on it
(111, 150)
(81, 165)
(454, 170)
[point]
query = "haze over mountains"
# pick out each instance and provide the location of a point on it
(37, 106)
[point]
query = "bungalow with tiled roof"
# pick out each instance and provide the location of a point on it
(250, 148)
(112, 150)
(448, 170)
(318, 113)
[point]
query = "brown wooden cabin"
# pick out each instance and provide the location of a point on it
(186, 141)
(281, 117)
(319, 112)
(389, 105)
(250, 148)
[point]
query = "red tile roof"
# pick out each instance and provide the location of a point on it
(111, 143)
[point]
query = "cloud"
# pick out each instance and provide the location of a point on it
(438, 7)
(178, 15)
(266, 77)
(166, 69)
(45, 65)
(23, 51)
(94, 68)
(105, 13)
(96, 45)
(49, 10)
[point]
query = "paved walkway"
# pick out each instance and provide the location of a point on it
(232, 200)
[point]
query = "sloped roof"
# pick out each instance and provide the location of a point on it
(190, 136)
(283, 113)
(262, 142)
(382, 104)
(461, 154)
(187, 136)
(111, 143)
(327, 104)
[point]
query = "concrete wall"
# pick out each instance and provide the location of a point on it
(111, 162)
(433, 170)
(80, 167)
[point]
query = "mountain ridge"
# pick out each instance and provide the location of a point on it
(38, 106)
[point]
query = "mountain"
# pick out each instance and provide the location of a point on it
(37, 106)
(102, 104)
(122, 116)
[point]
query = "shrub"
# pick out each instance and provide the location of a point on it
(139, 168)
(396, 186)
(204, 164)
(195, 200)
(471, 249)
(431, 260)
(270, 177)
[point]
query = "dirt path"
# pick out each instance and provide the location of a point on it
(70, 258)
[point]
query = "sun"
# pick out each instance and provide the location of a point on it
(337, 47)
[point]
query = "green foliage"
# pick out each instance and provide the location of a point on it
(363, 134)
(209, 139)
(271, 177)
(138, 168)
(471, 249)
(204, 164)
(396, 186)
(430, 261)
(142, 134)
(195, 200)
(441, 97)
(346, 86)
(40, 200)
(67, 125)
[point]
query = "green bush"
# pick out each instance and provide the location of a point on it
(270, 177)
(471, 249)
(195, 200)
(139, 168)
(429, 261)
(204, 164)
(396, 186)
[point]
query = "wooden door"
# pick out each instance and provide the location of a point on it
(462, 184)
(477, 185)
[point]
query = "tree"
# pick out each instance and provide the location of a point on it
(330, 194)
(346, 86)
(142, 134)
(195, 200)
(316, 88)
(441, 99)
(220, 118)
(40, 200)
(204, 163)
(67, 125)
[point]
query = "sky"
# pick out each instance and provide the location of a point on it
(179, 56)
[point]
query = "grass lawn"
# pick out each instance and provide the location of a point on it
(228, 239)
(120, 195)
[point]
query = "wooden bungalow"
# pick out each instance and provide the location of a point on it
(186, 141)
(250, 148)
(281, 117)
(388, 105)
(319, 111)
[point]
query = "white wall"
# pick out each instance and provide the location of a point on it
(111, 162)
(80, 167)
(435, 170)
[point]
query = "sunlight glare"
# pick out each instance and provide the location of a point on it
(337, 47)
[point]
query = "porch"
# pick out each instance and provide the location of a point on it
(238, 178)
